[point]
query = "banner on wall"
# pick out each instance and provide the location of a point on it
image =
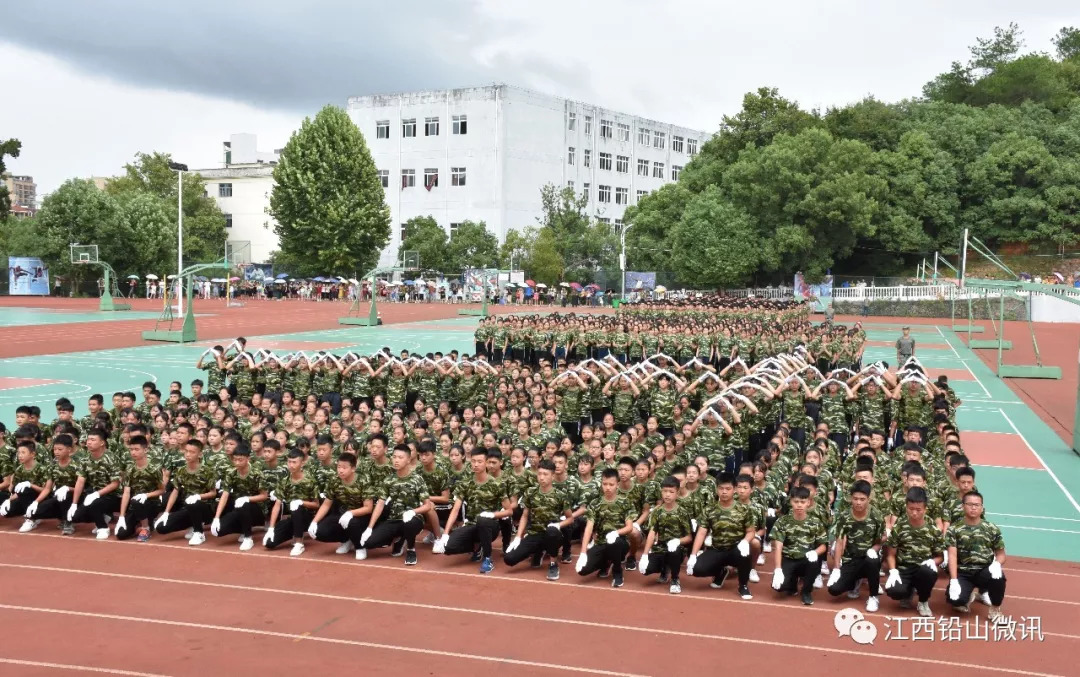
(27, 276)
(638, 281)
(473, 282)
(259, 272)
(819, 294)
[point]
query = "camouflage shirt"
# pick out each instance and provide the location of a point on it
(798, 536)
(239, 485)
(478, 498)
(350, 496)
(861, 534)
(915, 545)
(662, 406)
(64, 476)
(287, 490)
(403, 493)
(98, 471)
(668, 524)
(728, 525)
(437, 481)
(198, 481)
(544, 507)
(374, 473)
(37, 476)
(975, 545)
(142, 480)
(608, 516)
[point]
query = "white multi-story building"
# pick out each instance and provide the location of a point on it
(483, 154)
(242, 189)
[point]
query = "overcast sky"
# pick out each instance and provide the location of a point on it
(89, 84)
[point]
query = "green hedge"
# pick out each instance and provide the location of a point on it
(1015, 309)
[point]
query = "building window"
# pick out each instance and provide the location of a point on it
(642, 167)
(622, 196)
(454, 228)
(224, 190)
(382, 129)
(384, 177)
(604, 194)
(658, 170)
(605, 161)
(228, 220)
(641, 194)
(431, 126)
(605, 129)
(618, 225)
(571, 121)
(588, 158)
(408, 178)
(431, 178)
(658, 139)
(676, 143)
(570, 185)
(622, 164)
(408, 128)
(603, 219)
(586, 192)
(644, 136)
(691, 147)
(457, 176)
(461, 124)
(624, 132)
(588, 124)
(675, 170)
(570, 156)
(402, 232)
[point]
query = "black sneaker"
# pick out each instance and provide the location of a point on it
(476, 556)
(744, 592)
(807, 598)
(567, 558)
(537, 560)
(663, 577)
(604, 573)
(630, 563)
(718, 581)
(397, 548)
(616, 580)
(553, 572)
(410, 557)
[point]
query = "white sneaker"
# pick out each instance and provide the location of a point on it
(361, 554)
(240, 538)
(297, 550)
(767, 547)
(429, 539)
(246, 544)
(924, 609)
(438, 548)
(985, 599)
(871, 604)
(761, 559)
(101, 534)
(995, 616)
(345, 548)
(824, 569)
(854, 594)
(189, 533)
(818, 583)
(29, 525)
(675, 589)
(754, 578)
(197, 539)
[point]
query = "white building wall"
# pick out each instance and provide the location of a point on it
(251, 188)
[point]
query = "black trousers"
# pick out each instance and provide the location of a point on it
(241, 520)
(546, 543)
(978, 579)
(711, 562)
(854, 570)
(666, 562)
(195, 516)
(571, 532)
(388, 531)
(20, 502)
(137, 512)
(603, 555)
(795, 570)
(96, 511)
(330, 531)
(465, 538)
(291, 527)
(916, 578)
(51, 508)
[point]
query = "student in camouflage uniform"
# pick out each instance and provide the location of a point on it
(546, 513)
(63, 472)
(609, 520)
(914, 553)
(194, 483)
(405, 500)
(726, 530)
(346, 509)
(485, 503)
(799, 541)
(242, 501)
(976, 555)
(296, 498)
(857, 534)
(670, 531)
(95, 495)
(30, 484)
(142, 485)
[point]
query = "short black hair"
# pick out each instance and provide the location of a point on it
(347, 457)
(915, 495)
(860, 487)
(669, 482)
(725, 478)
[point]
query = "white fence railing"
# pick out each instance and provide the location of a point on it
(946, 292)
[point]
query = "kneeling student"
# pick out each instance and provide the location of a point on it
(799, 541)
(670, 532)
(728, 528)
(609, 519)
(859, 532)
(242, 488)
(545, 513)
(404, 498)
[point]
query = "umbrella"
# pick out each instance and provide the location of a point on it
(409, 282)
(281, 276)
(342, 279)
(660, 288)
(200, 278)
(564, 284)
(1060, 277)
(218, 280)
(592, 286)
(133, 277)
(541, 286)
(530, 283)
(151, 276)
(171, 277)
(234, 279)
(353, 280)
(575, 286)
(280, 281)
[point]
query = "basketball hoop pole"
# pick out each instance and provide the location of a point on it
(179, 168)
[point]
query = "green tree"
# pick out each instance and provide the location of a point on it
(204, 224)
(724, 242)
(545, 263)
(328, 199)
(516, 248)
(12, 148)
(1067, 43)
(650, 222)
(425, 236)
(472, 246)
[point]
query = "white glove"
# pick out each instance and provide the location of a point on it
(871, 554)
(945, 560)
(139, 498)
(834, 576)
(513, 545)
(690, 563)
(269, 537)
(777, 578)
(408, 515)
(637, 527)
(444, 539)
(273, 496)
(811, 556)
(215, 527)
(643, 564)
(931, 565)
(312, 529)
(21, 487)
(162, 520)
(91, 497)
(121, 523)
(611, 537)
(954, 589)
(580, 562)
(192, 499)
(31, 509)
(295, 504)
(488, 514)
(673, 545)
(217, 485)
(693, 525)
(345, 518)
(365, 536)
(61, 493)
(5, 508)
(241, 502)
(708, 540)
(744, 548)
(71, 512)
(995, 570)
(771, 512)
(554, 525)
(893, 579)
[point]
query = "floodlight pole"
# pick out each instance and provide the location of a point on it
(179, 168)
(963, 261)
(622, 260)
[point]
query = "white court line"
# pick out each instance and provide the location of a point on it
(1034, 517)
(1032, 449)
(1059, 531)
(490, 659)
(350, 642)
(1008, 467)
(77, 668)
